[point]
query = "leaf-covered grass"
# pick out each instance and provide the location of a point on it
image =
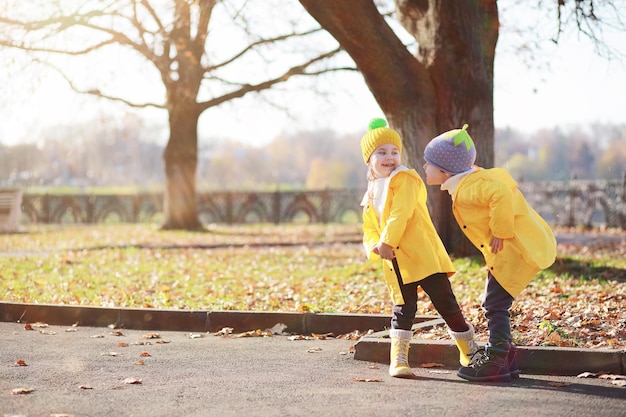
(577, 302)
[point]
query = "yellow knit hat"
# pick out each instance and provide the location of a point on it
(378, 134)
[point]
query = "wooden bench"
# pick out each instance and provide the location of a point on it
(10, 210)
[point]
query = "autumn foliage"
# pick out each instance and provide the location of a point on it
(299, 268)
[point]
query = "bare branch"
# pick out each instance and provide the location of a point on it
(256, 44)
(248, 88)
(96, 92)
(585, 16)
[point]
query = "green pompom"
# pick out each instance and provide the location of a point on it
(376, 123)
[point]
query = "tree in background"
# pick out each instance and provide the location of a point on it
(102, 153)
(177, 38)
(309, 159)
(448, 80)
(557, 154)
(612, 163)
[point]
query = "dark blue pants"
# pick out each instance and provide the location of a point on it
(496, 304)
(439, 290)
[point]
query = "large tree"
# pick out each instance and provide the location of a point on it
(176, 38)
(447, 82)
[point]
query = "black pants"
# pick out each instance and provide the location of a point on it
(496, 304)
(439, 290)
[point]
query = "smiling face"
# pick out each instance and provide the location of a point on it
(435, 176)
(384, 160)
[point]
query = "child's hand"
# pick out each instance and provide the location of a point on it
(384, 251)
(496, 244)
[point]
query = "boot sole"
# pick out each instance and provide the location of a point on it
(402, 374)
(491, 378)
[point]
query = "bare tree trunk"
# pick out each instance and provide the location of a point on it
(448, 83)
(180, 159)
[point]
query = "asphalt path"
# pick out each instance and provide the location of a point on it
(90, 371)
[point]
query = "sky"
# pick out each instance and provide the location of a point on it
(568, 85)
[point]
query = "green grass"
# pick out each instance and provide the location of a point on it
(292, 268)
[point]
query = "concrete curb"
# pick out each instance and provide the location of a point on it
(190, 320)
(536, 360)
(373, 347)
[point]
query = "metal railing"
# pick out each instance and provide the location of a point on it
(564, 203)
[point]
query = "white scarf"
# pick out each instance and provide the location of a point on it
(452, 182)
(377, 191)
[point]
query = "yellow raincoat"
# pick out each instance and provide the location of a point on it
(406, 226)
(488, 203)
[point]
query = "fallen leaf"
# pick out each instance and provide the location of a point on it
(117, 333)
(21, 362)
(19, 391)
(367, 379)
(110, 354)
(144, 354)
(432, 365)
(587, 375)
(85, 387)
(314, 349)
(301, 337)
(151, 336)
(97, 336)
(619, 383)
(256, 333)
(224, 331)
(139, 362)
(195, 335)
(27, 326)
(612, 376)
(162, 342)
(133, 381)
(122, 344)
(322, 336)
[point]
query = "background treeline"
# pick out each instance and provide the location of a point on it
(128, 153)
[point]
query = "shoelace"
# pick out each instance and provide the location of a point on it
(479, 357)
(402, 349)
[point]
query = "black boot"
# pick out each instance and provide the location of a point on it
(491, 364)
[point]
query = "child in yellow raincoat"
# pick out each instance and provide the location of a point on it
(397, 228)
(513, 238)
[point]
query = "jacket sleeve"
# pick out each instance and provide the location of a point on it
(499, 198)
(370, 232)
(403, 192)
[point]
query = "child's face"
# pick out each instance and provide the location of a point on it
(435, 176)
(384, 160)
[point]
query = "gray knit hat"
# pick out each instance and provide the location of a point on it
(453, 151)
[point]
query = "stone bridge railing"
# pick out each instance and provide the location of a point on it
(570, 203)
(579, 202)
(325, 206)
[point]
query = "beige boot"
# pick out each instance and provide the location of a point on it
(466, 343)
(399, 355)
